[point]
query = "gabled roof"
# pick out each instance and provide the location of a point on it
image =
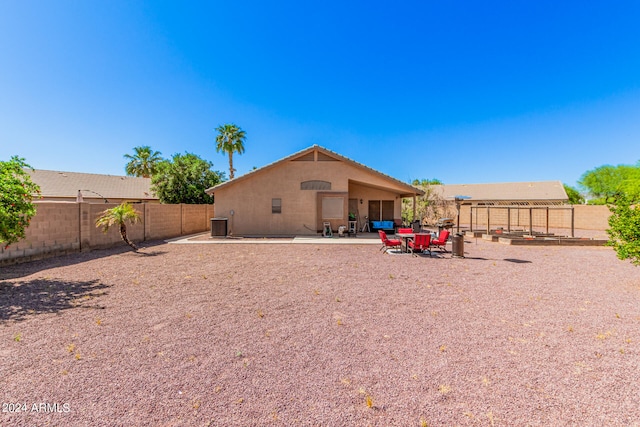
(540, 191)
(403, 185)
(66, 184)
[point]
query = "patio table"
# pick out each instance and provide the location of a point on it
(405, 238)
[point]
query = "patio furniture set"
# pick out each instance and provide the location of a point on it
(409, 242)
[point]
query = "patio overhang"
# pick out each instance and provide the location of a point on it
(401, 191)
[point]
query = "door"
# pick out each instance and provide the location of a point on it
(387, 210)
(381, 210)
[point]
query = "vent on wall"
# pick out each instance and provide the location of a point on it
(324, 158)
(315, 185)
(305, 158)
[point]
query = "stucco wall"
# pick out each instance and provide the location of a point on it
(61, 227)
(358, 192)
(250, 199)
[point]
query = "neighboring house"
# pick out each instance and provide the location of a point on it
(299, 193)
(509, 193)
(93, 188)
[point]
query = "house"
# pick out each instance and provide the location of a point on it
(299, 193)
(90, 187)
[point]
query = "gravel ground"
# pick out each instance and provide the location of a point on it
(321, 335)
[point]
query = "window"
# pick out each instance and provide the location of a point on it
(315, 185)
(276, 205)
(332, 207)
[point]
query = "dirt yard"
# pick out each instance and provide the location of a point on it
(321, 335)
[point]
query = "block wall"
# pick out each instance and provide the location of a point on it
(196, 218)
(54, 230)
(592, 217)
(60, 228)
(164, 221)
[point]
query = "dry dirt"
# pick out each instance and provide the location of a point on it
(321, 335)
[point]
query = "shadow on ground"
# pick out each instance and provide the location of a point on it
(24, 269)
(514, 260)
(24, 298)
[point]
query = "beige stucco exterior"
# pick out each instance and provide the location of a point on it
(303, 182)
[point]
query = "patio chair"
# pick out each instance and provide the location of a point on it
(421, 243)
(441, 241)
(388, 243)
(404, 230)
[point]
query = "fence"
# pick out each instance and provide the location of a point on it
(61, 227)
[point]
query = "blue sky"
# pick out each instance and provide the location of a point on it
(466, 92)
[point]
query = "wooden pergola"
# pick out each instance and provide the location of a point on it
(488, 206)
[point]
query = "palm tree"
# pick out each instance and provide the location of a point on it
(143, 162)
(119, 216)
(230, 139)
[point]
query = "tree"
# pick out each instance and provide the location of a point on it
(630, 185)
(16, 200)
(120, 216)
(425, 182)
(607, 183)
(575, 198)
(184, 179)
(143, 162)
(230, 139)
(429, 207)
(624, 231)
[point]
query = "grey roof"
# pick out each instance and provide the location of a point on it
(66, 184)
(409, 188)
(541, 191)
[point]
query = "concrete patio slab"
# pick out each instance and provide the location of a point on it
(205, 238)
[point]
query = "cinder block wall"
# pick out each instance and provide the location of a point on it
(163, 221)
(592, 217)
(196, 218)
(60, 228)
(54, 230)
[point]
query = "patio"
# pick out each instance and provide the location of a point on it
(205, 238)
